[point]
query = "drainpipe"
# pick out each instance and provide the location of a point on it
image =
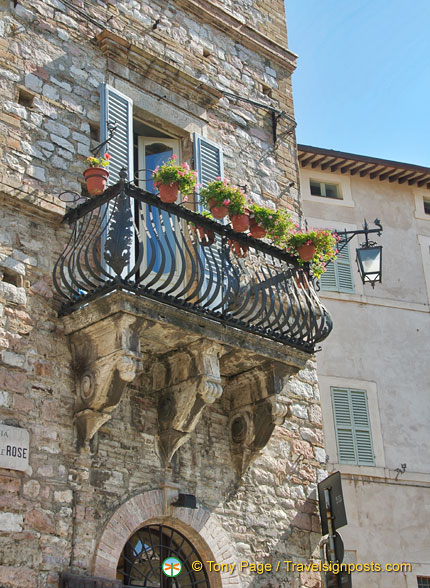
(323, 543)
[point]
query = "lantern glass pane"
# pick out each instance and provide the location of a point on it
(370, 263)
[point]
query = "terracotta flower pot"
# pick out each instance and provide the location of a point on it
(96, 178)
(302, 280)
(239, 249)
(306, 252)
(256, 230)
(217, 211)
(168, 192)
(207, 236)
(240, 222)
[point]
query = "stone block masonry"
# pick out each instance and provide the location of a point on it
(179, 56)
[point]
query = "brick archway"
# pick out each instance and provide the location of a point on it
(199, 526)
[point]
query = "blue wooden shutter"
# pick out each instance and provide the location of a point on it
(339, 277)
(352, 423)
(208, 160)
(118, 108)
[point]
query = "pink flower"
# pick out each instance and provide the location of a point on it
(156, 169)
(218, 178)
(185, 199)
(174, 157)
(186, 166)
(181, 173)
(226, 202)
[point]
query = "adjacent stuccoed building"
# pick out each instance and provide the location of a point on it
(373, 371)
(168, 390)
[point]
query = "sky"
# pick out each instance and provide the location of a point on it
(362, 83)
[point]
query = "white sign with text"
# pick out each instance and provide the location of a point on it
(14, 448)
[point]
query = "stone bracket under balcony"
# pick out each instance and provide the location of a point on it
(185, 381)
(257, 406)
(190, 362)
(106, 357)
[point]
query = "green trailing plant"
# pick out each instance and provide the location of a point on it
(324, 241)
(277, 223)
(171, 172)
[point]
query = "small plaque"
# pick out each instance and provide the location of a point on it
(14, 448)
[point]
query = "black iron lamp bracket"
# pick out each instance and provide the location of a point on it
(277, 114)
(347, 236)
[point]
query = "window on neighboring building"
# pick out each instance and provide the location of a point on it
(338, 276)
(326, 190)
(423, 582)
(352, 423)
(426, 202)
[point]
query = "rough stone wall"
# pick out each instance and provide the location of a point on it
(52, 515)
(50, 52)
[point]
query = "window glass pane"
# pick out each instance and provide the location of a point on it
(315, 188)
(427, 205)
(332, 191)
(423, 582)
(324, 189)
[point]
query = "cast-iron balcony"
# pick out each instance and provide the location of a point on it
(127, 239)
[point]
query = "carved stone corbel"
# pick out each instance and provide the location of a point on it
(185, 381)
(257, 406)
(106, 357)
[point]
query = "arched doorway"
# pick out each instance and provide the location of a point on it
(199, 526)
(142, 560)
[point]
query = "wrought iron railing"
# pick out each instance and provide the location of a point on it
(127, 239)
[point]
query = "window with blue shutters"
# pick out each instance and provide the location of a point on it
(339, 276)
(352, 423)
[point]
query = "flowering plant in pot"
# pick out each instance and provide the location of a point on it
(96, 175)
(217, 196)
(267, 222)
(171, 178)
(317, 246)
(237, 211)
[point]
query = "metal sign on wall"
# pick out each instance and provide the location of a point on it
(14, 448)
(334, 485)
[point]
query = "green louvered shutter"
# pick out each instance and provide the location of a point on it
(363, 437)
(339, 277)
(352, 423)
(117, 108)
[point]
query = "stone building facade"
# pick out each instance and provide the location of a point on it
(378, 349)
(120, 430)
